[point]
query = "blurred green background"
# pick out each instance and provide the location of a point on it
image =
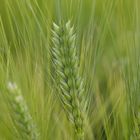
(108, 44)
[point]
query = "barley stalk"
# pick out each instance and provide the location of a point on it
(66, 75)
(20, 114)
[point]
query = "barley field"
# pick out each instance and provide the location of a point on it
(69, 70)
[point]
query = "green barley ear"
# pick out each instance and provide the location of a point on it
(136, 132)
(20, 113)
(66, 76)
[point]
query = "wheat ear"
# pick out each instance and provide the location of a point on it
(66, 74)
(20, 114)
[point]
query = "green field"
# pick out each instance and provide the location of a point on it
(69, 70)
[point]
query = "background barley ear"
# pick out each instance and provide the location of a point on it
(20, 114)
(66, 77)
(136, 132)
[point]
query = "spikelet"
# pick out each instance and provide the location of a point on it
(20, 114)
(66, 76)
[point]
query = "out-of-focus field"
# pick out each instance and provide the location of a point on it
(108, 43)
